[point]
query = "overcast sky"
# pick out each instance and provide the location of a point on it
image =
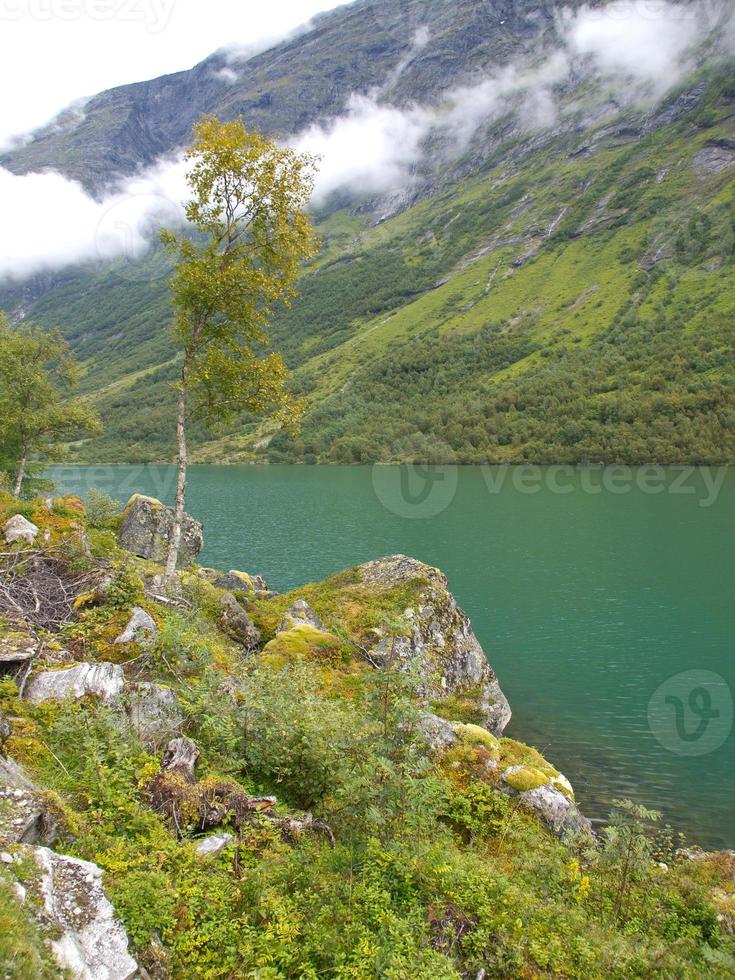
(53, 52)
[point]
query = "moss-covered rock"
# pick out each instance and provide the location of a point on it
(146, 528)
(438, 636)
(523, 778)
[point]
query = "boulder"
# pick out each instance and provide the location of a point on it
(20, 529)
(17, 650)
(438, 733)
(154, 712)
(213, 846)
(146, 529)
(140, 629)
(25, 817)
(235, 581)
(551, 798)
(236, 622)
(105, 681)
(90, 942)
(300, 614)
(439, 637)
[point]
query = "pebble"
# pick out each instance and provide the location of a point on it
(6, 858)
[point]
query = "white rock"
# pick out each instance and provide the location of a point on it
(214, 845)
(104, 680)
(140, 628)
(20, 529)
(561, 783)
(6, 858)
(20, 892)
(93, 944)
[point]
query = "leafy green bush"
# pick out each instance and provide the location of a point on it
(101, 508)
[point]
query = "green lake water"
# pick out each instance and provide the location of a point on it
(603, 598)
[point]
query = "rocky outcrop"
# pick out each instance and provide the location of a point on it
(235, 581)
(236, 623)
(714, 157)
(154, 712)
(300, 614)
(556, 809)
(20, 529)
(439, 636)
(140, 629)
(146, 530)
(17, 651)
(90, 942)
(105, 681)
(25, 817)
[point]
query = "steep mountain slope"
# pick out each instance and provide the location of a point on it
(555, 290)
(351, 50)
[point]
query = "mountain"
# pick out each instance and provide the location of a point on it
(544, 271)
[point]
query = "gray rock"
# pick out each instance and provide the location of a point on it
(440, 637)
(16, 652)
(213, 846)
(91, 942)
(236, 622)
(300, 614)
(438, 733)
(154, 712)
(24, 814)
(714, 157)
(146, 530)
(556, 809)
(180, 758)
(140, 629)
(12, 776)
(235, 581)
(20, 529)
(104, 680)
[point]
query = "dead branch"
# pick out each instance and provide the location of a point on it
(39, 588)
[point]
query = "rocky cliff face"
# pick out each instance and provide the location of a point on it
(438, 638)
(364, 46)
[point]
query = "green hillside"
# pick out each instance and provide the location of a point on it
(573, 300)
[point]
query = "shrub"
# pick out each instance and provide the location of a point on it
(101, 508)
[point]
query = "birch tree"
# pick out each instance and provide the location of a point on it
(251, 234)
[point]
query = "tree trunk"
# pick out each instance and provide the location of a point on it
(21, 474)
(175, 542)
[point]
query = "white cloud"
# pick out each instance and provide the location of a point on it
(227, 75)
(650, 42)
(50, 222)
(372, 147)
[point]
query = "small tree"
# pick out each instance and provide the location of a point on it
(253, 233)
(36, 371)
